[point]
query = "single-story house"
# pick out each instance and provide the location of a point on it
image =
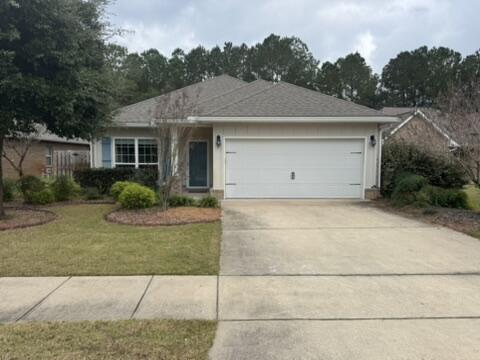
(420, 126)
(45, 154)
(258, 140)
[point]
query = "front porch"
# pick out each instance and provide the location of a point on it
(138, 148)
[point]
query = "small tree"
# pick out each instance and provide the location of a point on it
(461, 105)
(16, 150)
(174, 131)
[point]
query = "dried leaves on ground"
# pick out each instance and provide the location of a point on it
(466, 221)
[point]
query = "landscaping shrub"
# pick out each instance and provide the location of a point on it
(31, 184)
(9, 187)
(407, 189)
(439, 170)
(136, 196)
(449, 198)
(118, 187)
(92, 193)
(65, 188)
(42, 197)
(181, 200)
(103, 179)
(208, 202)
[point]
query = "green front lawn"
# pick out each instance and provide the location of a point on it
(473, 193)
(81, 242)
(130, 339)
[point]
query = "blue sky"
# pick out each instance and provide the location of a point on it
(378, 29)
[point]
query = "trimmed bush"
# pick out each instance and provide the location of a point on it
(136, 196)
(42, 197)
(439, 170)
(118, 188)
(92, 193)
(208, 202)
(65, 188)
(103, 179)
(449, 198)
(181, 200)
(407, 188)
(9, 187)
(31, 184)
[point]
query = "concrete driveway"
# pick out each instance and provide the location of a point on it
(343, 280)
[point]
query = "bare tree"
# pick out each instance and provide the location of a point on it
(461, 106)
(15, 150)
(174, 131)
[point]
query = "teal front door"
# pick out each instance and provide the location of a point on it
(198, 164)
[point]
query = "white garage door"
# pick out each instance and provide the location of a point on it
(294, 168)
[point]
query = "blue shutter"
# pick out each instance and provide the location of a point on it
(107, 152)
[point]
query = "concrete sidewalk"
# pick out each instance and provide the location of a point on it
(108, 298)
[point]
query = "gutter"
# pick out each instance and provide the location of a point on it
(295, 119)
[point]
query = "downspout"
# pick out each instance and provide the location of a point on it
(379, 158)
(92, 157)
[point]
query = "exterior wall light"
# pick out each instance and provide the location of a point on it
(219, 141)
(373, 141)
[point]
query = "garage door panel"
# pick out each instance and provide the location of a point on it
(322, 168)
(265, 190)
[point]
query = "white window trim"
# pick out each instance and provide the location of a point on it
(49, 155)
(208, 164)
(137, 164)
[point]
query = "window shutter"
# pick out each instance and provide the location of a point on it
(107, 152)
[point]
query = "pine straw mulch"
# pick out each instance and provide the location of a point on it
(22, 217)
(466, 221)
(157, 217)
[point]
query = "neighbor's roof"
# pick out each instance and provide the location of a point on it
(42, 134)
(225, 97)
(397, 111)
(433, 116)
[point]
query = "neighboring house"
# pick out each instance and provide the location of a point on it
(419, 126)
(45, 155)
(259, 140)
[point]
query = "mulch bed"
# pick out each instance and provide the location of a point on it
(465, 221)
(18, 217)
(173, 216)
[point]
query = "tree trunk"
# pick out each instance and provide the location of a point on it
(2, 209)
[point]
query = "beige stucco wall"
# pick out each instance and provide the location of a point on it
(326, 130)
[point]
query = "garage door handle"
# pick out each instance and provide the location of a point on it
(292, 175)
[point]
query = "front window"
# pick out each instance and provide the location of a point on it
(125, 152)
(49, 155)
(138, 153)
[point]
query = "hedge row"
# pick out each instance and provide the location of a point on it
(103, 179)
(438, 170)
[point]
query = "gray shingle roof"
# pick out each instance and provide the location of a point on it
(143, 112)
(287, 100)
(225, 96)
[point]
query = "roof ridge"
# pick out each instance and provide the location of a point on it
(184, 88)
(272, 85)
(329, 96)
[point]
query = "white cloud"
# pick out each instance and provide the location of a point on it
(366, 46)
